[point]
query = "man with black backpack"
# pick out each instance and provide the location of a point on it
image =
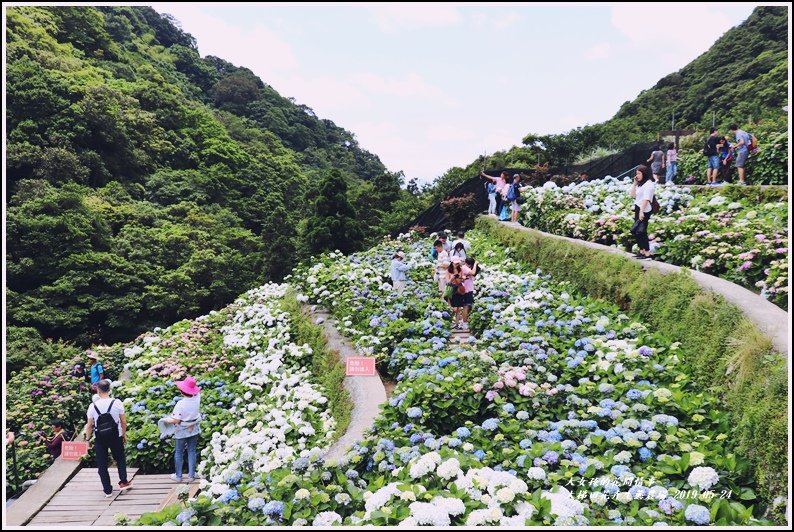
(106, 422)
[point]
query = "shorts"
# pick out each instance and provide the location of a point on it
(468, 299)
(741, 158)
(714, 162)
(656, 168)
(515, 206)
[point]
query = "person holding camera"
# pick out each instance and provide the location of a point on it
(642, 190)
(58, 437)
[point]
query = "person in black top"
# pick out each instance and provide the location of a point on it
(713, 155)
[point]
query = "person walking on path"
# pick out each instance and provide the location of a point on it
(187, 418)
(469, 270)
(711, 152)
(458, 252)
(397, 272)
(672, 163)
(740, 149)
(454, 297)
(501, 183)
(490, 189)
(108, 425)
(513, 193)
(657, 163)
(97, 371)
(442, 263)
(642, 190)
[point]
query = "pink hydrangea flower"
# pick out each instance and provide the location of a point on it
(477, 387)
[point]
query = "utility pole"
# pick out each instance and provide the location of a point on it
(713, 119)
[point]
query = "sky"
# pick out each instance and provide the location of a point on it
(430, 86)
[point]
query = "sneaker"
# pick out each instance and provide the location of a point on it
(175, 478)
(124, 486)
(190, 480)
(108, 495)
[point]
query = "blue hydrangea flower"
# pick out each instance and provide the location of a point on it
(414, 412)
(646, 351)
(256, 503)
(229, 496)
(551, 457)
(525, 443)
(634, 394)
(479, 454)
(490, 424)
(645, 453)
(508, 408)
(185, 515)
(697, 514)
(453, 442)
(463, 432)
(273, 508)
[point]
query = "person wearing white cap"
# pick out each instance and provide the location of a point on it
(186, 417)
(397, 271)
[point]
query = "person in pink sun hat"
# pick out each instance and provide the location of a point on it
(186, 417)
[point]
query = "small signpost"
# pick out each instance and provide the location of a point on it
(74, 450)
(360, 366)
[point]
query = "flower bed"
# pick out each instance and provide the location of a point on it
(563, 411)
(34, 397)
(722, 232)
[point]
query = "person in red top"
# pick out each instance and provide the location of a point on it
(59, 436)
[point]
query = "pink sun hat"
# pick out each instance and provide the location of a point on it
(188, 386)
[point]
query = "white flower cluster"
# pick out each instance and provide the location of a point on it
(703, 478)
(280, 417)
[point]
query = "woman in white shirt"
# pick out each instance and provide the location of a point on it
(186, 417)
(642, 190)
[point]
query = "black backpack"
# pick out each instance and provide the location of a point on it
(106, 426)
(706, 148)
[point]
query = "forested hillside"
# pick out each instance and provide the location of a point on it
(147, 184)
(743, 78)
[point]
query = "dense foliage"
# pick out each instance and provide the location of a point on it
(147, 183)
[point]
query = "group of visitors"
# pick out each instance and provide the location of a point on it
(502, 192)
(107, 424)
(454, 271)
(721, 153)
(667, 161)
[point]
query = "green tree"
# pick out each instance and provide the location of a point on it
(332, 223)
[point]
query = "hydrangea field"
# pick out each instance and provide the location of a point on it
(559, 410)
(718, 231)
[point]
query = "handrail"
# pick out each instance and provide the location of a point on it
(627, 172)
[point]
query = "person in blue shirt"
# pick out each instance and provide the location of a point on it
(398, 269)
(97, 371)
(490, 188)
(740, 149)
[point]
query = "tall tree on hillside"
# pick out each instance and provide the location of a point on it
(332, 222)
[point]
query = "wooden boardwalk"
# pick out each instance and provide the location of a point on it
(81, 501)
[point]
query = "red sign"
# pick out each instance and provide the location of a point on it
(73, 450)
(360, 366)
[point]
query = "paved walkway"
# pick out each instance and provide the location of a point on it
(770, 319)
(81, 501)
(366, 393)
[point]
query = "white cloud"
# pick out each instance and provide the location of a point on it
(681, 31)
(395, 18)
(598, 51)
(258, 48)
(410, 86)
(488, 20)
